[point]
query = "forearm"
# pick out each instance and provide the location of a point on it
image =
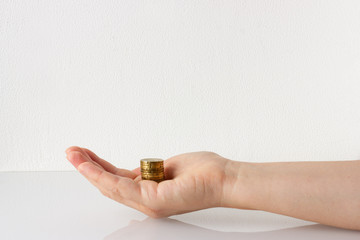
(323, 192)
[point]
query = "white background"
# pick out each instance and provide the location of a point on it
(250, 80)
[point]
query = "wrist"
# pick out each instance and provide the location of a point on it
(242, 185)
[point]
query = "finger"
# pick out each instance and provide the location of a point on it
(124, 187)
(121, 189)
(74, 148)
(76, 158)
(103, 179)
(109, 167)
(136, 171)
(106, 165)
(138, 178)
(128, 196)
(79, 149)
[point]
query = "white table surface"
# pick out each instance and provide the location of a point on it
(63, 205)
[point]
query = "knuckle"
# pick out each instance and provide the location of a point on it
(97, 177)
(155, 212)
(115, 190)
(105, 193)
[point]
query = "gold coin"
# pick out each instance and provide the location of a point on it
(152, 176)
(152, 169)
(153, 166)
(153, 179)
(153, 173)
(161, 175)
(151, 163)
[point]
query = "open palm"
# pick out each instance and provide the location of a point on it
(194, 181)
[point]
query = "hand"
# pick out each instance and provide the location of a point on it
(194, 181)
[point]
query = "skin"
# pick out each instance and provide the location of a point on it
(322, 192)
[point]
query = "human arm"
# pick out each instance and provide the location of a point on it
(323, 192)
(326, 192)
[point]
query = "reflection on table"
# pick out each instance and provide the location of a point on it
(165, 229)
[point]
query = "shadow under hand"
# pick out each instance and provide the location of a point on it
(166, 228)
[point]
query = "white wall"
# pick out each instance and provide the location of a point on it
(250, 80)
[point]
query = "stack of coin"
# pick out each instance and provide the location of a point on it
(152, 169)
